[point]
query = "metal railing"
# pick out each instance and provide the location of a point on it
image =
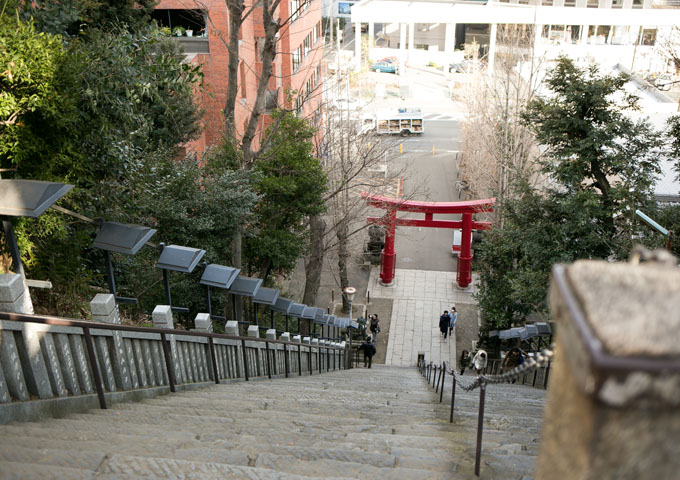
(78, 357)
(436, 377)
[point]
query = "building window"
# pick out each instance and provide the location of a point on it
(185, 20)
(294, 10)
(637, 3)
(308, 44)
(315, 35)
(297, 58)
(298, 105)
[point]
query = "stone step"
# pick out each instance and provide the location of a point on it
(10, 470)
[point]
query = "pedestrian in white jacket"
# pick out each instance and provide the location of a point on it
(479, 362)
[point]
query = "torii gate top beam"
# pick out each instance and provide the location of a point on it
(471, 206)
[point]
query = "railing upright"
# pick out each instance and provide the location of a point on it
(453, 396)
(480, 425)
(441, 390)
(95, 368)
(213, 359)
(169, 366)
(245, 360)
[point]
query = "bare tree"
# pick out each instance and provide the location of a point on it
(498, 148)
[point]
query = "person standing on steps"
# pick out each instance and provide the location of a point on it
(444, 322)
(453, 317)
(479, 362)
(464, 361)
(374, 326)
(369, 350)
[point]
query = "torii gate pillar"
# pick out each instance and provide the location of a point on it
(467, 224)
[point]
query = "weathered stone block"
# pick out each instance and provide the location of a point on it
(162, 317)
(103, 304)
(614, 391)
(285, 336)
(4, 392)
(231, 328)
(203, 322)
(11, 287)
(254, 331)
(49, 352)
(32, 361)
(17, 306)
(315, 341)
(306, 340)
(297, 339)
(271, 334)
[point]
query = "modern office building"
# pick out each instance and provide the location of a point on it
(629, 32)
(296, 79)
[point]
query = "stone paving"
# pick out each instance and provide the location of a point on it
(420, 297)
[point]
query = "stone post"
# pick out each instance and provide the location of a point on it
(614, 395)
(203, 323)
(11, 293)
(162, 318)
(231, 328)
(253, 331)
(285, 336)
(113, 362)
(297, 339)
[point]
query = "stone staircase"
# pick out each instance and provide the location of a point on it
(382, 423)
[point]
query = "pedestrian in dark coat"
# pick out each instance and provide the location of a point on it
(444, 322)
(465, 360)
(369, 350)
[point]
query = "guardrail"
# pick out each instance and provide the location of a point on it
(45, 357)
(436, 376)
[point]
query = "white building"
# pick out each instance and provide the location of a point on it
(609, 31)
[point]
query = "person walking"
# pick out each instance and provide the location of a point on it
(514, 358)
(444, 321)
(369, 350)
(374, 326)
(453, 315)
(464, 361)
(479, 362)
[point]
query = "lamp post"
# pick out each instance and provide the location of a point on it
(349, 293)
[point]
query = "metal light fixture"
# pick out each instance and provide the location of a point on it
(179, 259)
(283, 305)
(120, 238)
(26, 198)
(266, 296)
(243, 287)
(296, 310)
(218, 276)
(349, 293)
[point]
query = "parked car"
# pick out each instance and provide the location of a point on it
(662, 82)
(465, 66)
(386, 67)
(394, 60)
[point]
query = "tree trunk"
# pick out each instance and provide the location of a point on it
(235, 9)
(314, 263)
(343, 256)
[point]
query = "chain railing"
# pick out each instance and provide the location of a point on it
(436, 375)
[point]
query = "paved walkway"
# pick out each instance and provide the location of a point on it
(420, 297)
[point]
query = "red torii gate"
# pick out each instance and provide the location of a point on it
(390, 221)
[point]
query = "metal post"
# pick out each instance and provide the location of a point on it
(299, 359)
(214, 359)
(318, 358)
(287, 327)
(285, 359)
(269, 365)
(245, 359)
(441, 390)
(169, 366)
(109, 273)
(309, 360)
(11, 240)
(166, 283)
(453, 397)
(271, 316)
(480, 425)
(95, 368)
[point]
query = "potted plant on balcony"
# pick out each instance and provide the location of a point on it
(178, 31)
(165, 31)
(190, 33)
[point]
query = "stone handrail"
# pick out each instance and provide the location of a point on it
(69, 365)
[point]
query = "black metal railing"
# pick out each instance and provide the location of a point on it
(258, 356)
(436, 377)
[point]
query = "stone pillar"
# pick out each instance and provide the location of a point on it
(306, 340)
(162, 318)
(492, 47)
(203, 323)
(449, 41)
(11, 293)
(612, 410)
(538, 34)
(253, 331)
(271, 334)
(231, 328)
(297, 339)
(371, 37)
(584, 35)
(285, 336)
(113, 364)
(357, 46)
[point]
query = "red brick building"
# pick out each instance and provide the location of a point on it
(296, 80)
